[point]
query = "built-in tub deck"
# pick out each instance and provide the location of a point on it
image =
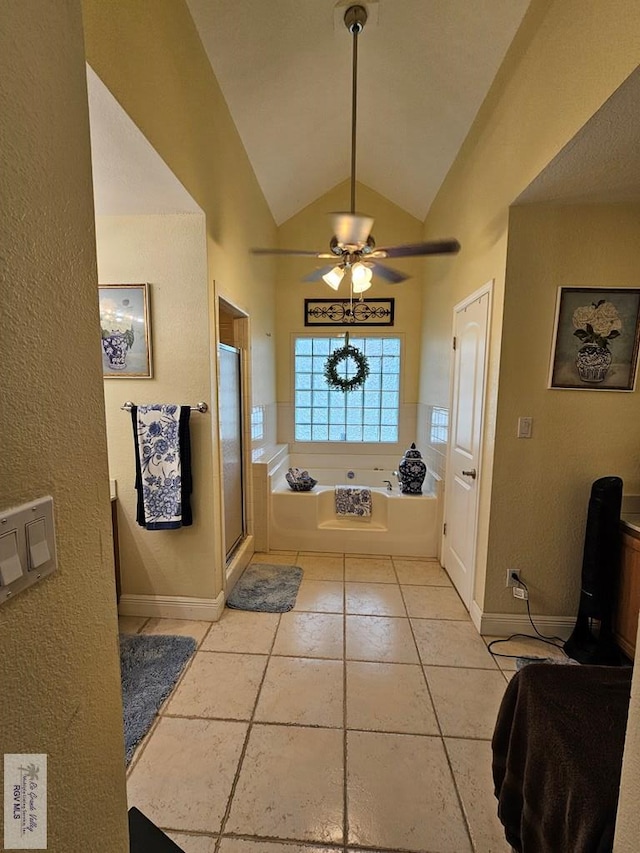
(399, 524)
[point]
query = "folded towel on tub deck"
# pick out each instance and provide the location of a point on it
(163, 465)
(351, 500)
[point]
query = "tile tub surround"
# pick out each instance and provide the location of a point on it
(334, 727)
(408, 524)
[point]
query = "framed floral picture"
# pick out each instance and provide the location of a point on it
(595, 345)
(125, 331)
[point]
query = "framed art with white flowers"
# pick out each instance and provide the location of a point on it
(125, 328)
(595, 345)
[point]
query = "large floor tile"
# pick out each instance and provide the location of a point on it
(321, 567)
(242, 631)
(303, 691)
(183, 778)
(380, 638)
(466, 700)
(389, 697)
(290, 785)
(507, 653)
(130, 624)
(320, 596)
(369, 569)
(193, 843)
(312, 635)
(451, 643)
(179, 627)
(276, 558)
(237, 845)
(421, 572)
(400, 794)
(219, 684)
(374, 599)
(471, 765)
(433, 602)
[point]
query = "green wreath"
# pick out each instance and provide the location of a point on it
(340, 383)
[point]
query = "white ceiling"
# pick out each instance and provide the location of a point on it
(285, 70)
(129, 176)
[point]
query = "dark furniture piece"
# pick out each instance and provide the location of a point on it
(557, 757)
(600, 570)
(145, 837)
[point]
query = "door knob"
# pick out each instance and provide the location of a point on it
(471, 473)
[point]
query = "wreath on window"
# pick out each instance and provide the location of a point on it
(342, 383)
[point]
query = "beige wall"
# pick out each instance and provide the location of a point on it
(135, 49)
(541, 486)
(169, 252)
(562, 66)
(311, 229)
(567, 58)
(59, 666)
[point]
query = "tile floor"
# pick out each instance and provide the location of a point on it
(361, 720)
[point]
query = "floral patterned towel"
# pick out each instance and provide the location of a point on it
(351, 500)
(163, 465)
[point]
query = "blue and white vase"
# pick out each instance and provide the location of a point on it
(411, 472)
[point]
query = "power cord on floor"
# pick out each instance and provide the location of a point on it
(543, 638)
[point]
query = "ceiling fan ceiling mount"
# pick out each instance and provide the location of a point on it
(352, 247)
(355, 18)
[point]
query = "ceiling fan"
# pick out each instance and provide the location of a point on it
(352, 248)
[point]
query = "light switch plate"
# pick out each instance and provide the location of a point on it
(525, 427)
(33, 524)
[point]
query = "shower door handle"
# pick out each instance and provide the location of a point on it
(471, 473)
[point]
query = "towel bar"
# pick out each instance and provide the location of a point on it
(199, 407)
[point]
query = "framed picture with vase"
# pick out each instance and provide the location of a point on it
(595, 344)
(125, 331)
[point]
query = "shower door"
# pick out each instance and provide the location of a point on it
(230, 408)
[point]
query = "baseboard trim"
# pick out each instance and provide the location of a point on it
(172, 607)
(505, 624)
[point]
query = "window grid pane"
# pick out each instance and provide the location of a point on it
(368, 414)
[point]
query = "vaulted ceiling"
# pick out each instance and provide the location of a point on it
(284, 67)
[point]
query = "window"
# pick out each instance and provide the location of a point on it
(368, 414)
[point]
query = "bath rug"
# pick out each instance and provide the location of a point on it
(266, 588)
(150, 665)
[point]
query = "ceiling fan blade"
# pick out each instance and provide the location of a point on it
(289, 252)
(316, 275)
(387, 273)
(408, 250)
(352, 229)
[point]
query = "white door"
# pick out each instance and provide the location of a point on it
(470, 324)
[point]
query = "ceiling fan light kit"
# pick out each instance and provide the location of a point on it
(352, 243)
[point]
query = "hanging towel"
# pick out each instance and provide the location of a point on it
(351, 500)
(163, 465)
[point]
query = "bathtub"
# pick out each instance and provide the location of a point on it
(401, 525)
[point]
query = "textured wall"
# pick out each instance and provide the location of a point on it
(311, 229)
(541, 486)
(59, 666)
(169, 252)
(136, 48)
(560, 69)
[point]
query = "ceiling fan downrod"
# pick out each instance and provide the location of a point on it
(354, 20)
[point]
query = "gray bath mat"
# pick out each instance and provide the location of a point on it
(266, 588)
(150, 665)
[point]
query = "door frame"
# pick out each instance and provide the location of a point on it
(232, 568)
(485, 289)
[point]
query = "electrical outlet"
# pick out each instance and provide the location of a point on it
(510, 581)
(520, 592)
